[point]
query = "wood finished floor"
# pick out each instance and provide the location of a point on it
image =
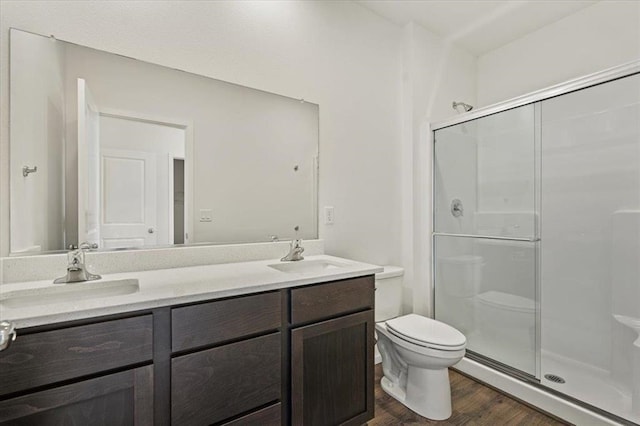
(473, 404)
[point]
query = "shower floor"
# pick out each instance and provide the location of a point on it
(589, 384)
(519, 357)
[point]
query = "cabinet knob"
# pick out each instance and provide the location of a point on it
(151, 230)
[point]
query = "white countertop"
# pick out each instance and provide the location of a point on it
(164, 287)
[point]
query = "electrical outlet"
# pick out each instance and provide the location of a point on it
(329, 215)
(206, 215)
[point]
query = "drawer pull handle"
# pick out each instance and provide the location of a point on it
(7, 334)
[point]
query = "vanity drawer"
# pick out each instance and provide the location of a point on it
(317, 302)
(52, 356)
(215, 384)
(209, 323)
(269, 416)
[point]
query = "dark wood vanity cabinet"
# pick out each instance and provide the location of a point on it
(80, 374)
(124, 398)
(300, 356)
(227, 359)
(332, 359)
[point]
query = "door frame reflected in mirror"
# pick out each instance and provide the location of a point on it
(187, 127)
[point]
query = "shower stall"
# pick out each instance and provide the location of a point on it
(536, 238)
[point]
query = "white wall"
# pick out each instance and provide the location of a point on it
(336, 54)
(37, 123)
(595, 38)
(435, 73)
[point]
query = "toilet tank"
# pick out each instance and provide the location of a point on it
(388, 303)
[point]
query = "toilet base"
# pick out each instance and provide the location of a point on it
(428, 392)
(392, 389)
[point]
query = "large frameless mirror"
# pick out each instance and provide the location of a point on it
(122, 153)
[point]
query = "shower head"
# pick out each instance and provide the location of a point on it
(466, 107)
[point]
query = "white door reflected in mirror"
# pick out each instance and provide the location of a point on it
(138, 185)
(129, 193)
(127, 188)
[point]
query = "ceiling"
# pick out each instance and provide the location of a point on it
(479, 26)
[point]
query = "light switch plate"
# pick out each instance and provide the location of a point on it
(329, 215)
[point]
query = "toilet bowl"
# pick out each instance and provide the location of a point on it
(416, 354)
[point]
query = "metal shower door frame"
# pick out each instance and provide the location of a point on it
(535, 98)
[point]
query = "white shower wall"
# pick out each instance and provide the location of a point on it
(590, 243)
(597, 37)
(590, 169)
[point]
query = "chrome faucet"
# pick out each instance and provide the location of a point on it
(76, 269)
(7, 334)
(295, 251)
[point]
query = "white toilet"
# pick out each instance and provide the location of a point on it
(416, 352)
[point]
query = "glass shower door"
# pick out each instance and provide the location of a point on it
(590, 247)
(485, 235)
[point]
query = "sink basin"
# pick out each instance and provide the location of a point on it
(308, 266)
(60, 293)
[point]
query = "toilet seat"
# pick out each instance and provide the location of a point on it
(426, 332)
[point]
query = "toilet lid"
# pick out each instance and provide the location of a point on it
(426, 332)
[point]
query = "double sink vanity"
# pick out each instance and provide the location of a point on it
(165, 336)
(246, 343)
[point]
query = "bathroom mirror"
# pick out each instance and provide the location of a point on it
(123, 153)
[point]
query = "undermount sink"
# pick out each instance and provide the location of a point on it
(59, 293)
(307, 266)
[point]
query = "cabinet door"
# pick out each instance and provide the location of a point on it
(332, 371)
(124, 398)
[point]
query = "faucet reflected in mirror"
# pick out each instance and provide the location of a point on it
(76, 268)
